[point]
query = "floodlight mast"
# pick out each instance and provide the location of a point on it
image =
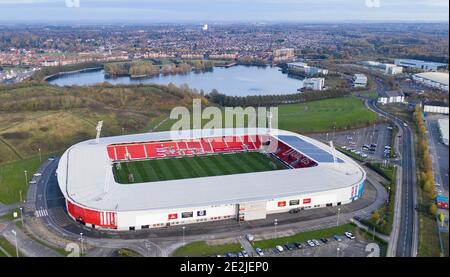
(99, 129)
(333, 153)
(269, 120)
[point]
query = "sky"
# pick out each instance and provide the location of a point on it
(210, 11)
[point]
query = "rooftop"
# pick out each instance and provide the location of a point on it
(438, 77)
(392, 93)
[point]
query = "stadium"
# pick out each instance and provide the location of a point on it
(163, 179)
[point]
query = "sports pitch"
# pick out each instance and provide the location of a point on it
(194, 167)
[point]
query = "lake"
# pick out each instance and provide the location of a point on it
(234, 81)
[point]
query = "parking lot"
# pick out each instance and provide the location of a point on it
(355, 140)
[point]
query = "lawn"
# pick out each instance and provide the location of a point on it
(323, 115)
(194, 167)
(202, 249)
(12, 179)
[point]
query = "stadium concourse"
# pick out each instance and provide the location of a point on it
(169, 178)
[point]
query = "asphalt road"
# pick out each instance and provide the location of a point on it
(407, 239)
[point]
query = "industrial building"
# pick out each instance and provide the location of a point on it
(315, 176)
(436, 107)
(306, 69)
(436, 80)
(418, 64)
(388, 97)
(359, 81)
(443, 129)
(386, 68)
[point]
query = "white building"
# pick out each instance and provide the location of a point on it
(437, 80)
(360, 81)
(387, 97)
(306, 69)
(418, 64)
(313, 83)
(386, 68)
(443, 129)
(436, 107)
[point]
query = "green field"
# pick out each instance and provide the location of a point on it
(194, 167)
(313, 117)
(323, 115)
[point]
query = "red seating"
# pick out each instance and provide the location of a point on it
(136, 151)
(151, 150)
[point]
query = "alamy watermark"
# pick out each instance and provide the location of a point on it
(72, 3)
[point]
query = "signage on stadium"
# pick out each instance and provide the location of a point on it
(282, 204)
(173, 216)
(307, 201)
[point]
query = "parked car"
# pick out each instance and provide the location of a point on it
(324, 240)
(259, 252)
(37, 174)
(289, 247)
(230, 255)
(294, 211)
(316, 242)
(349, 235)
(244, 253)
(240, 255)
(279, 248)
(32, 182)
(337, 238)
(310, 243)
(298, 245)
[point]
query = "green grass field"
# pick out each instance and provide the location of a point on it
(194, 167)
(202, 249)
(313, 117)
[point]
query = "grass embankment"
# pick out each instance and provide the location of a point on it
(40, 116)
(352, 155)
(193, 167)
(383, 218)
(428, 227)
(7, 249)
(202, 249)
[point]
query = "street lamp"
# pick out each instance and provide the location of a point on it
(81, 240)
(389, 193)
(40, 156)
(337, 254)
(184, 227)
(21, 214)
(26, 177)
(15, 236)
(275, 223)
(337, 221)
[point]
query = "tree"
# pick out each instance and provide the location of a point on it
(376, 216)
(433, 209)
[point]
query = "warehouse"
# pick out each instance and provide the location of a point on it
(314, 176)
(436, 80)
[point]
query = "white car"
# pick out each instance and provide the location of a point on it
(349, 235)
(244, 253)
(344, 147)
(279, 248)
(364, 155)
(316, 242)
(310, 243)
(249, 237)
(259, 252)
(37, 174)
(32, 182)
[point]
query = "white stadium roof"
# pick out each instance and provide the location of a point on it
(85, 176)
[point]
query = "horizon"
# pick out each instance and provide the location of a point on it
(222, 11)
